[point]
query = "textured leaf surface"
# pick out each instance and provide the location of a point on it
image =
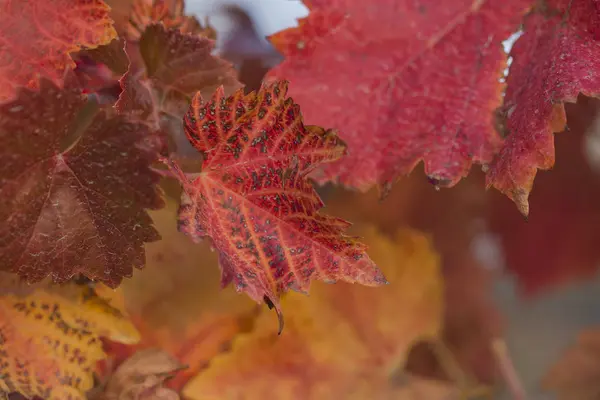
(556, 59)
(172, 67)
(176, 302)
(343, 341)
(51, 341)
(254, 201)
(73, 205)
(576, 375)
(36, 37)
(141, 377)
(402, 81)
(565, 215)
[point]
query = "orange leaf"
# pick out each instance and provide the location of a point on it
(343, 340)
(38, 35)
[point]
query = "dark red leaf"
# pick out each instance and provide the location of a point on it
(73, 198)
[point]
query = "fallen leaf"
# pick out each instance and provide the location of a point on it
(38, 36)
(403, 82)
(553, 63)
(177, 304)
(69, 199)
(343, 341)
(51, 340)
(253, 200)
(558, 243)
(576, 375)
(141, 377)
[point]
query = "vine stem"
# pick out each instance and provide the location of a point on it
(467, 385)
(507, 369)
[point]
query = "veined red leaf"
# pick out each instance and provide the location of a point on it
(556, 59)
(73, 198)
(403, 81)
(38, 35)
(253, 198)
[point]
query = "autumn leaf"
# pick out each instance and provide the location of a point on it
(141, 377)
(576, 374)
(565, 216)
(173, 67)
(51, 340)
(176, 302)
(73, 198)
(100, 69)
(403, 82)
(37, 37)
(170, 13)
(553, 62)
(343, 341)
(254, 201)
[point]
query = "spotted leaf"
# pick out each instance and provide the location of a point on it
(253, 198)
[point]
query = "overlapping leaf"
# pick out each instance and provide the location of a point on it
(36, 37)
(176, 302)
(51, 341)
(73, 196)
(254, 201)
(402, 81)
(170, 13)
(166, 71)
(556, 59)
(142, 377)
(565, 215)
(343, 341)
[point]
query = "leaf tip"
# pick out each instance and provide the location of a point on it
(280, 319)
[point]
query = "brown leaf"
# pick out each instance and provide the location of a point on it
(141, 377)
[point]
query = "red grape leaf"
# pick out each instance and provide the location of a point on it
(37, 36)
(73, 208)
(402, 81)
(565, 215)
(175, 66)
(254, 201)
(556, 59)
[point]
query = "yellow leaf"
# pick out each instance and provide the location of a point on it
(50, 340)
(344, 341)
